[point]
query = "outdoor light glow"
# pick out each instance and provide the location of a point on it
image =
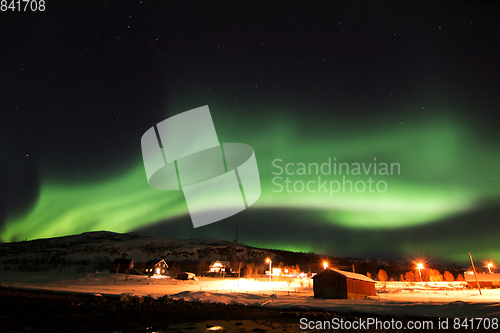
(270, 268)
(420, 266)
(325, 264)
(251, 284)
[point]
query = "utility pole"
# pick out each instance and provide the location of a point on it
(116, 274)
(474, 270)
(239, 269)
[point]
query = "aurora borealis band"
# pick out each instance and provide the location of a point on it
(308, 86)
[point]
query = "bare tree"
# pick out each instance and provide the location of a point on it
(434, 275)
(382, 275)
(448, 277)
(411, 276)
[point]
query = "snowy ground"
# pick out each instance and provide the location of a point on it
(437, 299)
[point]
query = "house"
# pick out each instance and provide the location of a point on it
(156, 267)
(488, 280)
(121, 265)
(286, 271)
(220, 266)
(333, 283)
(291, 271)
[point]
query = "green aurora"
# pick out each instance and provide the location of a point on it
(446, 170)
(412, 83)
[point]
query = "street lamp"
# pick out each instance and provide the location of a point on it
(489, 266)
(325, 264)
(270, 265)
(419, 267)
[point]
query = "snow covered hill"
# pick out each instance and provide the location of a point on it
(96, 250)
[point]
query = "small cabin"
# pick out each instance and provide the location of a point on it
(488, 280)
(156, 268)
(220, 266)
(333, 283)
(121, 265)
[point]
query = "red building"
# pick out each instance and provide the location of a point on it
(121, 265)
(332, 283)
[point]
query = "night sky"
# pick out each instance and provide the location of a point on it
(413, 84)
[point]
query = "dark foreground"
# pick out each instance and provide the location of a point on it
(42, 311)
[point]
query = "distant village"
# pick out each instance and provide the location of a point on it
(328, 282)
(155, 258)
(217, 268)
